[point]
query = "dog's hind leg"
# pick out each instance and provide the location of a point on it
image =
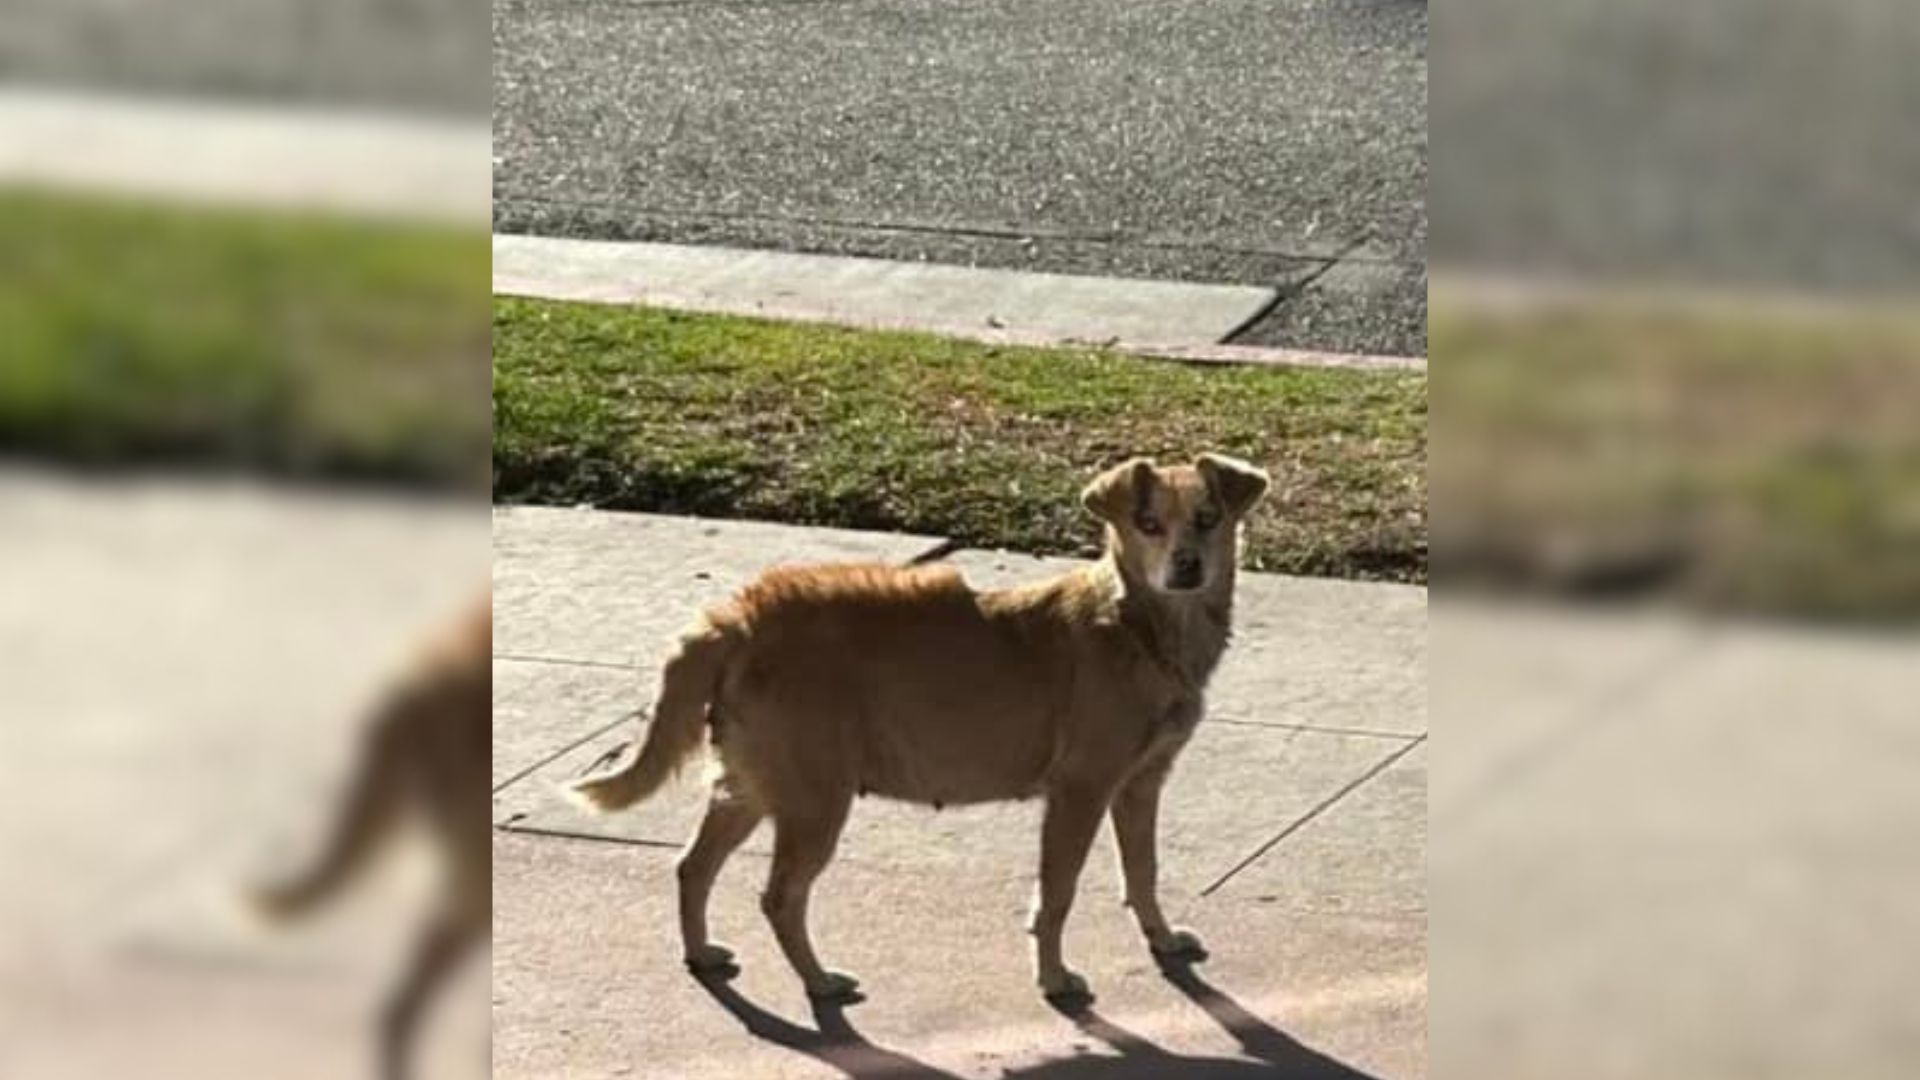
(802, 845)
(729, 821)
(1072, 818)
(444, 941)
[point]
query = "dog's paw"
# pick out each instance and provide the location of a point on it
(836, 988)
(1178, 944)
(711, 959)
(1065, 988)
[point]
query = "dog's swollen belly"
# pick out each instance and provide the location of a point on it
(955, 754)
(937, 705)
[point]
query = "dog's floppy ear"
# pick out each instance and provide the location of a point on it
(1237, 484)
(1113, 495)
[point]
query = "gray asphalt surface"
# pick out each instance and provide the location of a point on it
(1767, 143)
(415, 55)
(1272, 142)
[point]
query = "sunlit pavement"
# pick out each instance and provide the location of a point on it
(1293, 842)
(185, 666)
(1673, 846)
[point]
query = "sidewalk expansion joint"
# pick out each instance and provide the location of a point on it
(565, 661)
(1319, 808)
(563, 751)
(1317, 729)
(594, 838)
(969, 231)
(1285, 291)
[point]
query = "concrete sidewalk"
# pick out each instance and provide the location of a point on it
(274, 157)
(1673, 846)
(1293, 840)
(1170, 319)
(184, 668)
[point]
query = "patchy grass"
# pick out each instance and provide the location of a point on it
(651, 410)
(1743, 458)
(136, 332)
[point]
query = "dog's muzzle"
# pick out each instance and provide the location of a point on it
(1185, 571)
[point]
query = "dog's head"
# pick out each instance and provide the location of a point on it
(1177, 528)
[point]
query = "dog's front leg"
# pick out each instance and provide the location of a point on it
(1073, 816)
(1136, 812)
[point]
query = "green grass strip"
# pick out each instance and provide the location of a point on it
(643, 409)
(136, 332)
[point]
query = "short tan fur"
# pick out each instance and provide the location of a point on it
(819, 683)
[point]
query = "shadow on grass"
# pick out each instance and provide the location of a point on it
(833, 1041)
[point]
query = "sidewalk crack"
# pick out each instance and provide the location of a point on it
(567, 749)
(1317, 729)
(1285, 291)
(525, 658)
(1320, 808)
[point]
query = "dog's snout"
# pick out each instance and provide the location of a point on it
(1185, 569)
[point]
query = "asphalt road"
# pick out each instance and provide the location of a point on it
(1766, 144)
(420, 56)
(1271, 142)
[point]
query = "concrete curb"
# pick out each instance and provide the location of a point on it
(1161, 319)
(270, 156)
(1481, 292)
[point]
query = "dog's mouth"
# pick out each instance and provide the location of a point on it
(1184, 581)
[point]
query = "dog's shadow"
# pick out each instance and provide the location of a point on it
(834, 1042)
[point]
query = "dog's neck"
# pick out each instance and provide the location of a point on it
(1187, 630)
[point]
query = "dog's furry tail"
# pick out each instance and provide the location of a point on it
(679, 727)
(368, 812)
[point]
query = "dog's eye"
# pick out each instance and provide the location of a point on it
(1206, 521)
(1148, 525)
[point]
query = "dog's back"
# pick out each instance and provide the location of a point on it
(900, 682)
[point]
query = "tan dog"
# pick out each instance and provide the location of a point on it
(820, 683)
(427, 750)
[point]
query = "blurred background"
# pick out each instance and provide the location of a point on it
(1676, 519)
(243, 421)
(1676, 516)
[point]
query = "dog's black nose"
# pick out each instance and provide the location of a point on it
(1186, 570)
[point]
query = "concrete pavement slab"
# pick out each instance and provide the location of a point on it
(248, 154)
(1366, 855)
(542, 709)
(1234, 788)
(587, 983)
(1522, 681)
(1318, 974)
(186, 663)
(1327, 654)
(1309, 652)
(1033, 307)
(211, 1021)
(1740, 703)
(618, 588)
(1715, 871)
(1346, 649)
